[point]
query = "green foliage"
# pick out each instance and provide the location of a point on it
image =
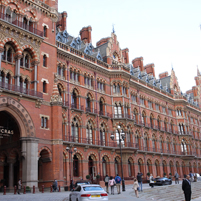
(97, 176)
(88, 177)
(148, 173)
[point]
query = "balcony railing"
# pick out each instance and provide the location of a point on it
(119, 116)
(91, 110)
(21, 25)
(106, 114)
(19, 89)
(77, 107)
(167, 151)
(114, 144)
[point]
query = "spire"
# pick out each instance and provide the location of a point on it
(198, 72)
(172, 66)
(113, 31)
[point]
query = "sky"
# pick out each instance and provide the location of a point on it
(164, 32)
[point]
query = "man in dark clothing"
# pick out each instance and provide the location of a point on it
(106, 183)
(186, 187)
(139, 179)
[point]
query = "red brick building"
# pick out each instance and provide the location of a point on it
(57, 91)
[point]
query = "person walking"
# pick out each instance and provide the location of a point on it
(135, 187)
(151, 180)
(55, 185)
(107, 178)
(111, 184)
(139, 179)
(176, 178)
(186, 187)
(118, 183)
(19, 186)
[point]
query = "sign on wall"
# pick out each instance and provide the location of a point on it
(5, 132)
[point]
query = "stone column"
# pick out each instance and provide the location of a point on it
(35, 64)
(1, 50)
(30, 162)
(17, 70)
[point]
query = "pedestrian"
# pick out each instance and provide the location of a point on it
(186, 187)
(118, 183)
(107, 178)
(191, 176)
(112, 184)
(71, 185)
(135, 187)
(151, 180)
(19, 186)
(139, 178)
(176, 178)
(55, 185)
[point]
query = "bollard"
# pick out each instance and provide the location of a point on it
(51, 189)
(4, 190)
(15, 189)
(59, 188)
(24, 190)
(33, 189)
(42, 188)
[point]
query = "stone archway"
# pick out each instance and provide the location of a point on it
(28, 148)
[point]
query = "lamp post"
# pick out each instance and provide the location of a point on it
(70, 151)
(121, 138)
(162, 162)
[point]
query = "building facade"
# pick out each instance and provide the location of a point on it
(57, 91)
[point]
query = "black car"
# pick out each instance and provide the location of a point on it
(162, 181)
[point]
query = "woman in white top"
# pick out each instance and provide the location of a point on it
(135, 187)
(111, 183)
(151, 181)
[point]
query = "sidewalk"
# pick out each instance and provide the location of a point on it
(127, 195)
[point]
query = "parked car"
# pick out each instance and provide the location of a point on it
(162, 181)
(86, 192)
(81, 182)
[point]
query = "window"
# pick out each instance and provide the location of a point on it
(101, 112)
(124, 91)
(178, 112)
(44, 122)
(100, 86)
(164, 110)
(157, 107)
(89, 133)
(150, 104)
(183, 147)
(45, 31)
(133, 98)
(88, 103)
(142, 101)
(159, 125)
(44, 60)
(192, 120)
(117, 111)
(44, 87)
(118, 88)
(74, 131)
(60, 71)
(75, 166)
(170, 112)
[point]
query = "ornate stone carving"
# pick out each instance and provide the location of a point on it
(38, 103)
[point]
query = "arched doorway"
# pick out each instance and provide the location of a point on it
(91, 167)
(10, 147)
(11, 144)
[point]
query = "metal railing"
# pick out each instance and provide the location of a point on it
(21, 24)
(99, 142)
(19, 89)
(77, 106)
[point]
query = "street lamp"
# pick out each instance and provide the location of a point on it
(70, 151)
(121, 137)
